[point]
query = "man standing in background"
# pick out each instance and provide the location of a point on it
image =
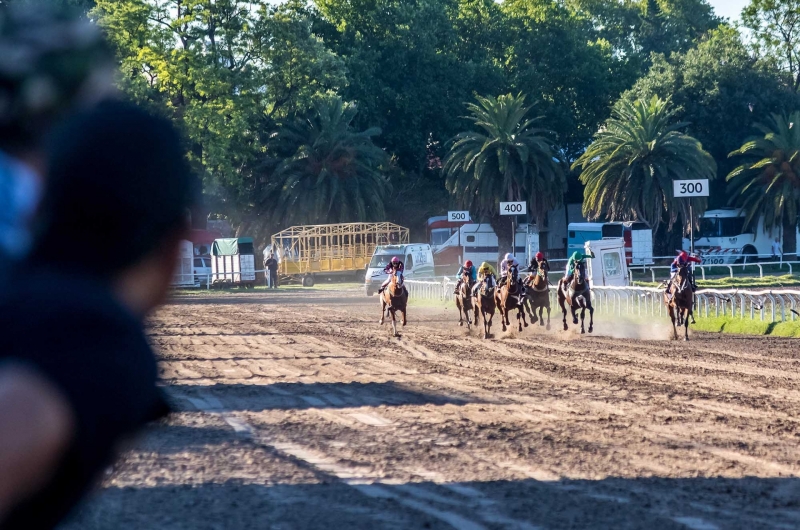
(51, 63)
(271, 266)
(777, 253)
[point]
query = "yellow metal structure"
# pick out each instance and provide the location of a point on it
(338, 248)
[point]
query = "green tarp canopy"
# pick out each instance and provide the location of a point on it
(232, 246)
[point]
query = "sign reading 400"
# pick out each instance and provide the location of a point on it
(513, 208)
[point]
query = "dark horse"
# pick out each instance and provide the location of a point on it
(576, 295)
(394, 298)
(681, 304)
(464, 300)
(484, 304)
(508, 298)
(537, 294)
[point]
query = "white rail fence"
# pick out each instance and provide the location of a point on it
(768, 305)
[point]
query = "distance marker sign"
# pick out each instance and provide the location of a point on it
(513, 208)
(690, 188)
(455, 217)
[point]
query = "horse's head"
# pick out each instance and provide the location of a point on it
(397, 279)
(580, 274)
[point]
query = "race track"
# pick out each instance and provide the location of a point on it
(296, 410)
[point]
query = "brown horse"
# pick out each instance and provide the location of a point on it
(464, 300)
(681, 304)
(537, 294)
(508, 298)
(394, 298)
(484, 304)
(577, 295)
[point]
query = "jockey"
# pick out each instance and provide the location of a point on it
(470, 269)
(486, 275)
(577, 257)
(537, 260)
(394, 267)
(508, 263)
(682, 260)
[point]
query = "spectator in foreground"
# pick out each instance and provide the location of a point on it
(76, 373)
(51, 62)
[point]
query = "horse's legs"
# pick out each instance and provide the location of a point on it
(563, 310)
(672, 317)
(574, 309)
(591, 318)
(583, 315)
(383, 309)
(394, 321)
(460, 316)
(548, 316)
(686, 325)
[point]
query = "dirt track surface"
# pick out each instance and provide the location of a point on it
(295, 410)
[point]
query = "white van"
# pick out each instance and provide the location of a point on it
(417, 258)
(609, 267)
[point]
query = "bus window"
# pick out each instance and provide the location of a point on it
(439, 236)
(612, 264)
(731, 226)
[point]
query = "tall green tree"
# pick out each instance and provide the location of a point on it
(775, 30)
(556, 54)
(508, 158)
(767, 183)
(629, 169)
(228, 72)
(335, 174)
(721, 90)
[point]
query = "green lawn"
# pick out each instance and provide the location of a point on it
(767, 282)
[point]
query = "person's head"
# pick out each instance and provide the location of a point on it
(683, 256)
(117, 203)
(395, 260)
(51, 62)
(576, 255)
(539, 256)
(509, 256)
(468, 264)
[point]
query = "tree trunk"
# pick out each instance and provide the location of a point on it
(790, 237)
(502, 228)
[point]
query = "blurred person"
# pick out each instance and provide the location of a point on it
(470, 269)
(77, 375)
(51, 62)
(271, 266)
(777, 252)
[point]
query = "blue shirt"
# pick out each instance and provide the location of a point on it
(20, 190)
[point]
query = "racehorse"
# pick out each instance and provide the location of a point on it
(537, 295)
(484, 304)
(577, 295)
(681, 305)
(464, 300)
(508, 298)
(394, 298)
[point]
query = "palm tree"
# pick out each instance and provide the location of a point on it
(508, 159)
(768, 181)
(629, 168)
(334, 173)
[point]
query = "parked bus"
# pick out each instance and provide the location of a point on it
(478, 242)
(638, 238)
(440, 229)
(721, 238)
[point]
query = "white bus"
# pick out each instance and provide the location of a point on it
(722, 240)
